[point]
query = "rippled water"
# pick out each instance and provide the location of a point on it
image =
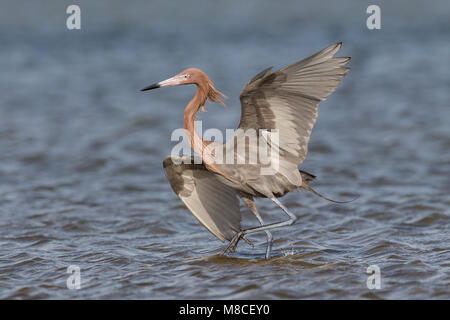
(81, 179)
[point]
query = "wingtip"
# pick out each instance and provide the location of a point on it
(332, 49)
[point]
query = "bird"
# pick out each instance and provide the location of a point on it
(284, 102)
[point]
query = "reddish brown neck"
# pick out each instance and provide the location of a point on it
(196, 143)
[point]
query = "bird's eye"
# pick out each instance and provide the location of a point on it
(186, 76)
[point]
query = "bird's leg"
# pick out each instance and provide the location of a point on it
(292, 219)
(268, 234)
(234, 241)
(248, 200)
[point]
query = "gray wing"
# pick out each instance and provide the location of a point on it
(213, 203)
(288, 99)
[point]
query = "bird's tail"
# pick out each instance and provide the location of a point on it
(307, 177)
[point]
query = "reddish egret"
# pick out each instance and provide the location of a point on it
(285, 100)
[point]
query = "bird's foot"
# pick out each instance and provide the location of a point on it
(234, 242)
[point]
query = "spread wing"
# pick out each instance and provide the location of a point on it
(287, 100)
(213, 203)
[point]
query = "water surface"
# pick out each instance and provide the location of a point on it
(81, 149)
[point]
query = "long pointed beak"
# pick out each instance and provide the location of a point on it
(152, 86)
(174, 81)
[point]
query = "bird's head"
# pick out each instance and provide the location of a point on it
(192, 76)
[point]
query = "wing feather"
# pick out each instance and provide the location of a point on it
(288, 99)
(214, 204)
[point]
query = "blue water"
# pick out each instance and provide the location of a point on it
(81, 151)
